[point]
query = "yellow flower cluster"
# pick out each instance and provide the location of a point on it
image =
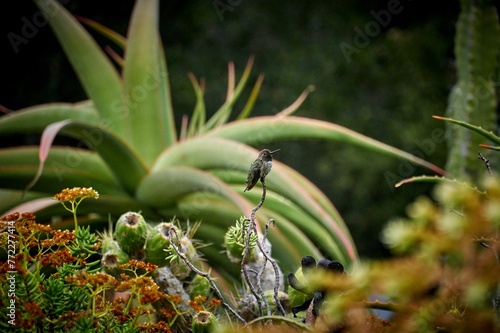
(76, 193)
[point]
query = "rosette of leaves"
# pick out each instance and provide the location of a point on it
(138, 161)
(235, 241)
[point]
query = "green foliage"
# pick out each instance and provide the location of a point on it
(444, 276)
(235, 241)
(136, 157)
(131, 232)
(45, 261)
(138, 162)
(84, 247)
(55, 287)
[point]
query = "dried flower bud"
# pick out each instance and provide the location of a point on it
(76, 193)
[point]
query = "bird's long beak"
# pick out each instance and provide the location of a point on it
(275, 151)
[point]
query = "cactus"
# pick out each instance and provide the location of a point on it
(112, 258)
(283, 298)
(205, 322)
(112, 254)
(179, 267)
(131, 233)
(200, 286)
(157, 242)
(473, 98)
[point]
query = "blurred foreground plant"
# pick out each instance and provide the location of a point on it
(445, 276)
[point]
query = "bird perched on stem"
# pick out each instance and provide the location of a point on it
(260, 168)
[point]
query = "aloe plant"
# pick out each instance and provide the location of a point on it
(136, 159)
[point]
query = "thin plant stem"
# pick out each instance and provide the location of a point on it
(253, 228)
(73, 209)
(262, 247)
(263, 268)
(177, 250)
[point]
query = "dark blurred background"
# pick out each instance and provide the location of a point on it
(384, 79)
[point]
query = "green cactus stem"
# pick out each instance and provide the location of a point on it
(282, 298)
(200, 286)
(131, 233)
(112, 258)
(205, 322)
(157, 242)
(177, 265)
(473, 99)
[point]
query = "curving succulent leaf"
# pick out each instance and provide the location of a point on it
(115, 37)
(206, 153)
(436, 179)
(163, 188)
(64, 167)
(260, 130)
(34, 119)
(149, 124)
(489, 135)
(222, 115)
(12, 201)
(422, 179)
(95, 71)
(119, 157)
(247, 109)
(199, 113)
(296, 104)
(489, 147)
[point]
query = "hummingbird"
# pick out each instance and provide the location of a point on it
(260, 168)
